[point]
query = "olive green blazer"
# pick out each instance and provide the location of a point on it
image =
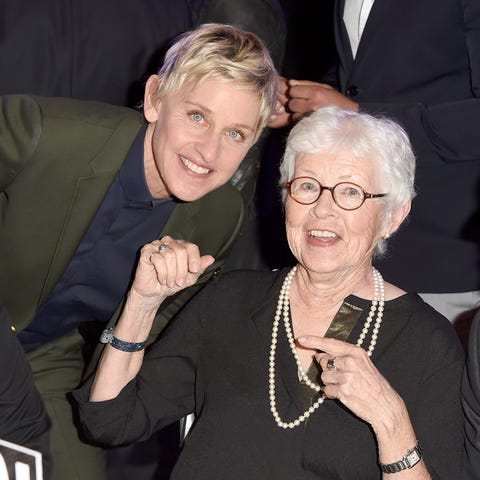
(58, 158)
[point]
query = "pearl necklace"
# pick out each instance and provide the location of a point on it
(283, 306)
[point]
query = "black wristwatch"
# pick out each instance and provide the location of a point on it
(411, 458)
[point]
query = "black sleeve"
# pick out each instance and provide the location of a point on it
(23, 418)
(162, 392)
(471, 403)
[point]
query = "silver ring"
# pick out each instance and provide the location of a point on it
(162, 247)
(331, 364)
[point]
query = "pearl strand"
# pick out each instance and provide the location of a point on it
(378, 285)
(283, 308)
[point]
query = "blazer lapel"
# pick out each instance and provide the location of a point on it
(181, 224)
(381, 9)
(88, 194)
(344, 49)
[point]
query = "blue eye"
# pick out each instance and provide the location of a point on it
(309, 187)
(236, 135)
(352, 191)
(197, 117)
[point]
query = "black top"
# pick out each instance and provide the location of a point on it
(213, 360)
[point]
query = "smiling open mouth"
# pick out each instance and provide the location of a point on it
(194, 168)
(321, 234)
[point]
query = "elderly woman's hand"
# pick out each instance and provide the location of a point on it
(351, 377)
(167, 266)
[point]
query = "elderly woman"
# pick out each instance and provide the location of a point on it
(322, 371)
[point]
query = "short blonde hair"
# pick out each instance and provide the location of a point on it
(225, 52)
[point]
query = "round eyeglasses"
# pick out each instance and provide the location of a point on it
(348, 196)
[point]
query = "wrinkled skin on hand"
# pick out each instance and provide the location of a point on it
(164, 272)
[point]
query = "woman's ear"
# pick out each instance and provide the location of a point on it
(150, 99)
(397, 219)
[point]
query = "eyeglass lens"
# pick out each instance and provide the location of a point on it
(308, 190)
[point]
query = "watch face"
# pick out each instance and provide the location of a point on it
(412, 458)
(409, 460)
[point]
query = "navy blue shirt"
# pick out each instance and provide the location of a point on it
(99, 274)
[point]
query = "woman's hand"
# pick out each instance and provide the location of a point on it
(351, 377)
(167, 266)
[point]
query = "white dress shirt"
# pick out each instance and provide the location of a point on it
(355, 17)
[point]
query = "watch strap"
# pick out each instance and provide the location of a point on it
(108, 337)
(411, 458)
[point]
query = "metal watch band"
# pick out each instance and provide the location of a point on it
(411, 458)
(108, 337)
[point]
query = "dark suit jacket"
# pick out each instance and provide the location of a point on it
(58, 157)
(86, 49)
(418, 61)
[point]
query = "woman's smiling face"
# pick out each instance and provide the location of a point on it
(197, 137)
(324, 237)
